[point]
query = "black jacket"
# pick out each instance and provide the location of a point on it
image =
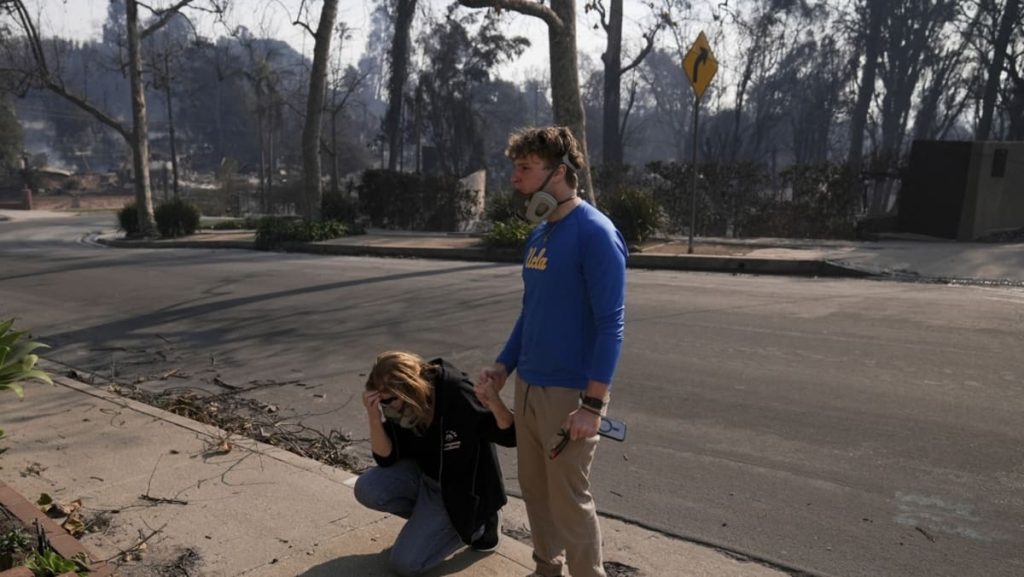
(470, 476)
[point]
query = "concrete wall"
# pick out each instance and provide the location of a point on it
(994, 197)
(11, 199)
(476, 184)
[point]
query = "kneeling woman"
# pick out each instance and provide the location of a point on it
(431, 432)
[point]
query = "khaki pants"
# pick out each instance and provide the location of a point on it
(563, 518)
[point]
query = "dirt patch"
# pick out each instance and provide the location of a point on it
(614, 569)
(699, 248)
(85, 202)
(182, 562)
(232, 412)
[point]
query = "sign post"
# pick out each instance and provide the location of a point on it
(700, 67)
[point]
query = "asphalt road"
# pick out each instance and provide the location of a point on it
(846, 427)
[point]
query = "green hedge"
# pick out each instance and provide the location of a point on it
(506, 206)
(635, 213)
(404, 201)
(128, 219)
(273, 232)
(747, 199)
(511, 233)
(176, 218)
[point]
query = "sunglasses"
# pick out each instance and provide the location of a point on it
(558, 443)
(388, 400)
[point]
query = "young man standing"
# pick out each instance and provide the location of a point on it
(564, 348)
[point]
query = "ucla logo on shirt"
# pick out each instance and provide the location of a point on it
(537, 260)
(451, 440)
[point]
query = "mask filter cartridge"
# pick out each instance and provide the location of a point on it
(540, 206)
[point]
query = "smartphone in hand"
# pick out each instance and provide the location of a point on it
(612, 428)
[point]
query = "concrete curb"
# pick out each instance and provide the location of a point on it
(744, 265)
(121, 243)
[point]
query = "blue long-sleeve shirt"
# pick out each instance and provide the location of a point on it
(570, 328)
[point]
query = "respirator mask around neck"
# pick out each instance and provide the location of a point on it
(543, 203)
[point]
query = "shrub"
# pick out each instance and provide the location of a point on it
(176, 217)
(506, 206)
(51, 564)
(635, 213)
(824, 201)
(339, 207)
(405, 201)
(236, 224)
(17, 363)
(727, 195)
(128, 219)
(273, 232)
(511, 233)
(14, 542)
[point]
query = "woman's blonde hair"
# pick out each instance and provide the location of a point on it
(408, 377)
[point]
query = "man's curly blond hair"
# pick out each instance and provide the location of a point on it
(552, 144)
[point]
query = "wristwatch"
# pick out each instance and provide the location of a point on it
(593, 402)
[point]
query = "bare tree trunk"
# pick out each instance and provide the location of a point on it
(418, 128)
(140, 135)
(611, 142)
(312, 188)
(272, 160)
(614, 131)
(565, 77)
(396, 84)
(858, 120)
(335, 189)
(263, 154)
(995, 69)
(1015, 107)
(170, 129)
(565, 84)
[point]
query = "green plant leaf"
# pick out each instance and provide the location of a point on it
(49, 564)
(39, 375)
(10, 338)
(23, 348)
(17, 360)
(14, 387)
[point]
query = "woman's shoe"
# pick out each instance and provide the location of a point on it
(492, 534)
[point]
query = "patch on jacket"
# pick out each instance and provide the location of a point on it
(451, 440)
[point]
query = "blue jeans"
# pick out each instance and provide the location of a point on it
(428, 537)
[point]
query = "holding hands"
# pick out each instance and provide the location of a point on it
(496, 375)
(486, 391)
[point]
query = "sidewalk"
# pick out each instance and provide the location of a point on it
(208, 508)
(900, 257)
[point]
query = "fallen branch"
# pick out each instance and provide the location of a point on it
(152, 499)
(136, 546)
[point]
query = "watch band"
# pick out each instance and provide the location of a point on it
(592, 402)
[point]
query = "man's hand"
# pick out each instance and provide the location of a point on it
(494, 375)
(486, 394)
(490, 398)
(582, 424)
